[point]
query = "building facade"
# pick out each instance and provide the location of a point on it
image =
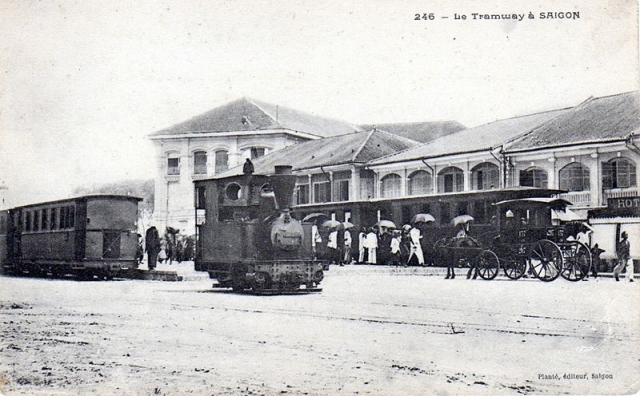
(220, 139)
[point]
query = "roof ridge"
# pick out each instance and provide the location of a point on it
(262, 109)
(419, 144)
(258, 102)
(525, 134)
(408, 140)
(364, 142)
(376, 124)
(522, 116)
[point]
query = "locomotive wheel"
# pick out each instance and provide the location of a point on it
(487, 265)
(237, 286)
(515, 268)
(577, 262)
(545, 259)
(262, 281)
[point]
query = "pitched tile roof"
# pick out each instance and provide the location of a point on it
(419, 131)
(351, 148)
(596, 120)
(253, 115)
(480, 138)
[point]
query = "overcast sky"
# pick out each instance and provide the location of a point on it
(84, 82)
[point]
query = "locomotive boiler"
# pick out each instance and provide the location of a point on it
(247, 237)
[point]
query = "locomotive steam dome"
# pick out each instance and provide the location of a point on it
(286, 232)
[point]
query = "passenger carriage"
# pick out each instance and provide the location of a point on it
(87, 236)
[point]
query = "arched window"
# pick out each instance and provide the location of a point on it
(200, 162)
(485, 176)
(222, 161)
(534, 177)
(619, 173)
(420, 183)
(450, 179)
(390, 186)
(574, 177)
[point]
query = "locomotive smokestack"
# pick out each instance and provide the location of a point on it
(283, 183)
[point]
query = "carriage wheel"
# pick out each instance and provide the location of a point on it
(577, 262)
(488, 265)
(515, 268)
(545, 259)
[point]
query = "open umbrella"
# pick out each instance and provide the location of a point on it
(332, 224)
(172, 230)
(386, 224)
(347, 225)
(463, 219)
(313, 216)
(422, 217)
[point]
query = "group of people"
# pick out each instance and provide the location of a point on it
(172, 246)
(376, 245)
(390, 246)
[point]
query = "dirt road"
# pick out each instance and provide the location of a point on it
(371, 331)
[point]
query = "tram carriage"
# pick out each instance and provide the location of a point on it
(88, 236)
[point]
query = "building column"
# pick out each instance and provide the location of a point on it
(595, 185)
(403, 183)
(552, 177)
(466, 186)
(354, 194)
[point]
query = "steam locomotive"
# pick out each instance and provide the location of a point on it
(247, 237)
(87, 237)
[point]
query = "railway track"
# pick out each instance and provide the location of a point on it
(523, 324)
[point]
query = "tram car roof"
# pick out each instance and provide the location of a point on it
(82, 198)
(498, 192)
(553, 203)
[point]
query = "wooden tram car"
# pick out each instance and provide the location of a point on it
(444, 207)
(87, 236)
(247, 238)
(539, 245)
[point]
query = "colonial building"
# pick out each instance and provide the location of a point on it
(222, 138)
(592, 152)
(469, 160)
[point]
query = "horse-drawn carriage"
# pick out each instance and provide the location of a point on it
(525, 240)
